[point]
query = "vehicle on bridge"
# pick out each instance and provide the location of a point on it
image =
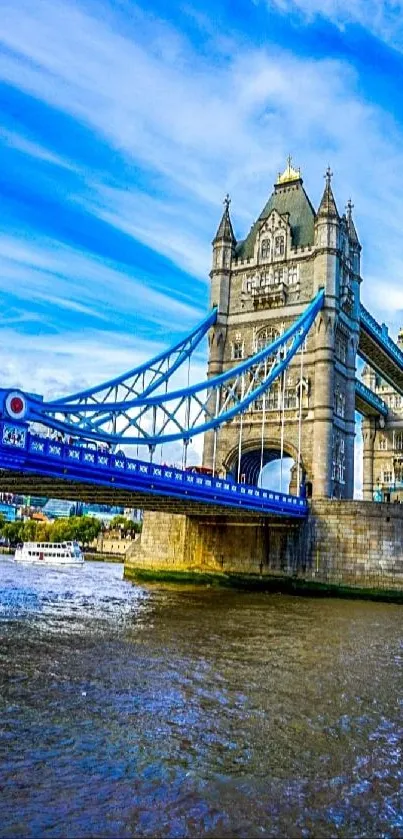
(50, 553)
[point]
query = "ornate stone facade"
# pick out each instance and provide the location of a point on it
(260, 286)
(383, 442)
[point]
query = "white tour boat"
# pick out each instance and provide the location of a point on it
(50, 553)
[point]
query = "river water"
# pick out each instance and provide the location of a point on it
(195, 712)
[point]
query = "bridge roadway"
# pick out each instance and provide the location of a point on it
(368, 403)
(379, 351)
(34, 465)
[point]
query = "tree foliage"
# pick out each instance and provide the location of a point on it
(125, 525)
(81, 529)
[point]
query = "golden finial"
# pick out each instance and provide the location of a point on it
(289, 174)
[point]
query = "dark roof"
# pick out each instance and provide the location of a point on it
(225, 232)
(288, 199)
(352, 231)
(327, 206)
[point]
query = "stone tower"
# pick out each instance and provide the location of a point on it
(383, 441)
(260, 286)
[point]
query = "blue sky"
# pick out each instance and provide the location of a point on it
(123, 127)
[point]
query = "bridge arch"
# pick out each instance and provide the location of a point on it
(251, 459)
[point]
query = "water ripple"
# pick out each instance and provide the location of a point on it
(171, 713)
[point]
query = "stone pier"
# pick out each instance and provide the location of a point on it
(355, 545)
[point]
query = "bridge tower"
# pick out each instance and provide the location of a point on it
(260, 286)
(383, 440)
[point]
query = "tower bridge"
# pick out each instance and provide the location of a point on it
(285, 329)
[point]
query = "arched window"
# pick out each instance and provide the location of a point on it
(279, 245)
(266, 337)
(399, 442)
(265, 249)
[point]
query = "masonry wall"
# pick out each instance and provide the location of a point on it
(343, 542)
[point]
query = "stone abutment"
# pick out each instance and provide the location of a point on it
(353, 544)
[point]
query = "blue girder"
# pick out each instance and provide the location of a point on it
(370, 398)
(380, 333)
(24, 452)
(100, 415)
(183, 348)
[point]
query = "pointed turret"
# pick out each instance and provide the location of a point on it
(223, 250)
(327, 206)
(352, 233)
(327, 235)
(225, 232)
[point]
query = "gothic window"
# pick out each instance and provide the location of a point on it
(279, 245)
(272, 400)
(290, 398)
(399, 442)
(266, 337)
(341, 348)
(237, 350)
(339, 403)
(387, 476)
(265, 248)
(278, 276)
(293, 275)
(338, 458)
(383, 443)
(227, 259)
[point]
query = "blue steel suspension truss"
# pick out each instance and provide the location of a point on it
(128, 410)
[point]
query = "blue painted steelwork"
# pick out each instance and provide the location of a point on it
(172, 415)
(367, 395)
(380, 334)
(133, 381)
(22, 451)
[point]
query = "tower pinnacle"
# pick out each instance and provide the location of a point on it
(327, 206)
(225, 232)
(350, 224)
(289, 175)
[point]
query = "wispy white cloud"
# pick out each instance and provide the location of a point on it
(383, 18)
(22, 144)
(197, 125)
(49, 271)
(194, 125)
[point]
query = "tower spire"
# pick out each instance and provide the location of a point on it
(225, 232)
(327, 206)
(352, 233)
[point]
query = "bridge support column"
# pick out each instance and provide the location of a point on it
(351, 544)
(215, 366)
(368, 438)
(324, 401)
(350, 418)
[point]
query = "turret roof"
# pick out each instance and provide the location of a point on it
(289, 198)
(327, 206)
(351, 226)
(224, 231)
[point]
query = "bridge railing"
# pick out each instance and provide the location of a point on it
(381, 333)
(367, 395)
(19, 445)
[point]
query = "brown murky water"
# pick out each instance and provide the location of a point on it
(171, 712)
